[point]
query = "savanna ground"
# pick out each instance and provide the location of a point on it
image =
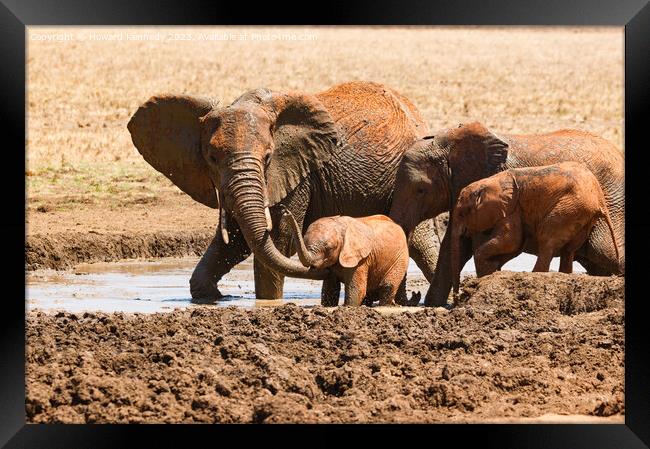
(91, 197)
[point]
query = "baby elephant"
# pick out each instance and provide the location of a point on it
(548, 211)
(369, 255)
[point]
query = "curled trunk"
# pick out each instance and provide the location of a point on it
(249, 207)
(304, 254)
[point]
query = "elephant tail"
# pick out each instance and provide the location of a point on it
(605, 214)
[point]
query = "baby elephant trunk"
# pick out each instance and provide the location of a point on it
(304, 255)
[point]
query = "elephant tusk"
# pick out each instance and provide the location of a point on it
(223, 225)
(269, 222)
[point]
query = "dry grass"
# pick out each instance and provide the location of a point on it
(82, 93)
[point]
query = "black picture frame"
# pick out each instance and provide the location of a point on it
(15, 15)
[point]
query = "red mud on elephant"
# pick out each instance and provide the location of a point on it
(333, 153)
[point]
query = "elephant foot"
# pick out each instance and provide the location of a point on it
(415, 299)
(435, 298)
(204, 297)
(204, 292)
(329, 302)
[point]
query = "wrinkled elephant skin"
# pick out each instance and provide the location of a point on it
(335, 152)
(434, 170)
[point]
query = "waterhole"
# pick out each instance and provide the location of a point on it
(163, 285)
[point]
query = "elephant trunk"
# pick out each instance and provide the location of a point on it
(251, 211)
(457, 232)
(304, 254)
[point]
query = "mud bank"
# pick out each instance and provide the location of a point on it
(517, 345)
(169, 225)
(63, 232)
(65, 250)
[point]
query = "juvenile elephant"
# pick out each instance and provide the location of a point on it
(335, 152)
(369, 255)
(435, 169)
(550, 211)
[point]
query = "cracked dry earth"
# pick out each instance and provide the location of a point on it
(515, 346)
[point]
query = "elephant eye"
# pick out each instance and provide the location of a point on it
(420, 190)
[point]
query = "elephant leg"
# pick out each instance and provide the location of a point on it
(506, 239)
(400, 294)
(438, 292)
(217, 261)
(415, 299)
(356, 286)
(425, 244)
(566, 262)
(568, 252)
(504, 259)
(597, 254)
(370, 298)
(485, 266)
(386, 294)
(330, 292)
(499, 261)
(558, 235)
(545, 253)
(544, 258)
(592, 268)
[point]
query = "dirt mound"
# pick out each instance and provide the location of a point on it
(515, 345)
(543, 293)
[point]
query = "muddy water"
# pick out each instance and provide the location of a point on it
(163, 285)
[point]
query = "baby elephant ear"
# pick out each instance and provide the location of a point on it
(357, 244)
(167, 133)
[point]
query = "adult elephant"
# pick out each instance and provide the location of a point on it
(335, 152)
(434, 171)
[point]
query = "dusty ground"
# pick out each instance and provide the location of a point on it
(544, 347)
(91, 196)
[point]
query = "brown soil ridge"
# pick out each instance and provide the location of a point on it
(61, 251)
(517, 345)
(177, 226)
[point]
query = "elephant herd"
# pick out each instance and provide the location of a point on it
(274, 163)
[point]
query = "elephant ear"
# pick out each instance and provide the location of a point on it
(357, 243)
(167, 133)
(509, 194)
(305, 137)
(474, 153)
